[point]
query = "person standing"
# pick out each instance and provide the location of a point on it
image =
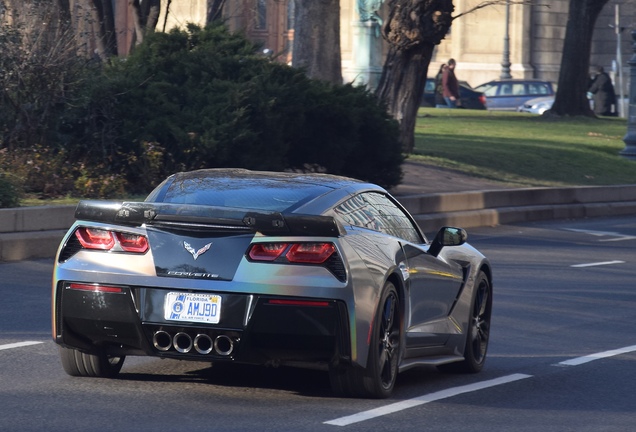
(450, 85)
(440, 102)
(602, 92)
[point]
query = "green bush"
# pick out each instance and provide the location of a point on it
(9, 191)
(207, 99)
(183, 100)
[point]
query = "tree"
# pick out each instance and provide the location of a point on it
(145, 17)
(575, 62)
(317, 39)
(412, 29)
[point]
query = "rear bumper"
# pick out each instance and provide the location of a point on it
(254, 328)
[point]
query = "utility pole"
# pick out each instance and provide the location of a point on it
(629, 152)
(505, 63)
(620, 105)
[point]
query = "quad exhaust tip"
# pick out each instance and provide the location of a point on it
(162, 340)
(203, 344)
(223, 345)
(182, 342)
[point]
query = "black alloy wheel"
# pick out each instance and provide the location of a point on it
(388, 340)
(378, 378)
(478, 331)
(480, 323)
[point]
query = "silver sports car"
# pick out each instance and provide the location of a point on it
(230, 265)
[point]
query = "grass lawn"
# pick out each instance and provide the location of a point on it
(525, 149)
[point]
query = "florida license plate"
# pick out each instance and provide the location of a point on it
(191, 307)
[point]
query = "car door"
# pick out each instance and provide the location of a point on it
(432, 289)
(431, 284)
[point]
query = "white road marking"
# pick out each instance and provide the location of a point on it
(18, 345)
(597, 264)
(618, 236)
(432, 397)
(588, 358)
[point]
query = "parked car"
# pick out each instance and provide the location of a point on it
(509, 94)
(469, 98)
(237, 266)
(537, 105)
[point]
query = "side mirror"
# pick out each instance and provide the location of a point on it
(447, 236)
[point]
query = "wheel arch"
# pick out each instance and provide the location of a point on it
(486, 268)
(400, 287)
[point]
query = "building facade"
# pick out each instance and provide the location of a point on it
(476, 40)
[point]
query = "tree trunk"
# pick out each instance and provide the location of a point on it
(401, 86)
(104, 28)
(412, 30)
(214, 10)
(317, 39)
(145, 17)
(64, 11)
(574, 75)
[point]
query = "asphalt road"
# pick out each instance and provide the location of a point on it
(561, 357)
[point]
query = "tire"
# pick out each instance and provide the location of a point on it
(378, 379)
(101, 365)
(478, 332)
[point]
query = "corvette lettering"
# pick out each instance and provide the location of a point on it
(193, 274)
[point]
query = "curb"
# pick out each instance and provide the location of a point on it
(506, 206)
(36, 232)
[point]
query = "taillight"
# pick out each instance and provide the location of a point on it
(306, 253)
(93, 238)
(101, 239)
(313, 253)
(482, 99)
(267, 251)
(290, 302)
(95, 288)
(132, 242)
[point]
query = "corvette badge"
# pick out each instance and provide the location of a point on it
(196, 254)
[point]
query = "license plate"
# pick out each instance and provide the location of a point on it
(190, 307)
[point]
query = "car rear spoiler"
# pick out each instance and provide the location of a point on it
(201, 217)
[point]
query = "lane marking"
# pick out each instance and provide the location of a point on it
(424, 399)
(588, 358)
(19, 344)
(618, 236)
(598, 264)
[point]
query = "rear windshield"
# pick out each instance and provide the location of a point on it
(246, 193)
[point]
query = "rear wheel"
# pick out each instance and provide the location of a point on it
(378, 379)
(77, 363)
(478, 331)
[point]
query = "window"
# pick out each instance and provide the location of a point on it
(291, 12)
(538, 89)
(488, 90)
(518, 89)
(377, 212)
(260, 23)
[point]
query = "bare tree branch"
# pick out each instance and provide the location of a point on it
(489, 3)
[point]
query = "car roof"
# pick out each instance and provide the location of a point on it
(241, 174)
(515, 80)
(265, 190)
